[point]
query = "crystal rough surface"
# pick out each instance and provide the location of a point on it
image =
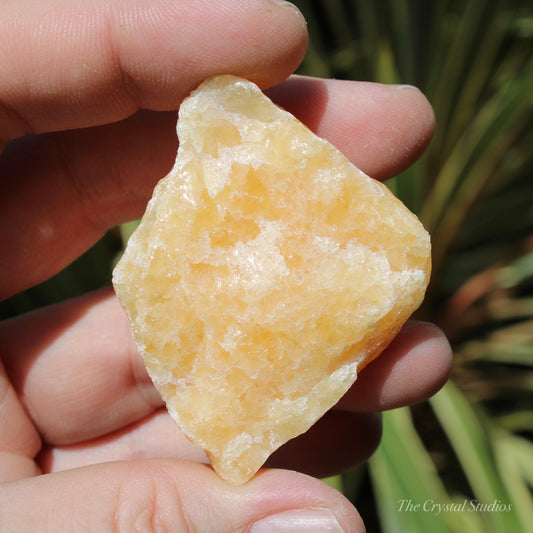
(265, 273)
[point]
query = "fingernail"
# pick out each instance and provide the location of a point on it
(284, 3)
(298, 521)
(405, 87)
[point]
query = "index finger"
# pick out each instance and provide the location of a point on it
(69, 63)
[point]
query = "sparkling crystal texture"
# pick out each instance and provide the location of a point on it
(265, 273)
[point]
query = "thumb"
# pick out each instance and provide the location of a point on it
(172, 495)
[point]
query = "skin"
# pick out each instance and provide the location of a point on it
(88, 93)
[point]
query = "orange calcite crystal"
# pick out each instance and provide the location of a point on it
(266, 272)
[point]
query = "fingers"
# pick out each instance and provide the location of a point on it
(18, 434)
(414, 367)
(77, 370)
(95, 381)
(19, 440)
(336, 443)
(382, 129)
(169, 495)
(155, 436)
(63, 191)
(100, 61)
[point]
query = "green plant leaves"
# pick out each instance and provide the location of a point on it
(405, 480)
(483, 454)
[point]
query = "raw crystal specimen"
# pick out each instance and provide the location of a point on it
(265, 273)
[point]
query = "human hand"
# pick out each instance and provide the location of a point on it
(75, 400)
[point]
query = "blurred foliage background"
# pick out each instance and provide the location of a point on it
(471, 444)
